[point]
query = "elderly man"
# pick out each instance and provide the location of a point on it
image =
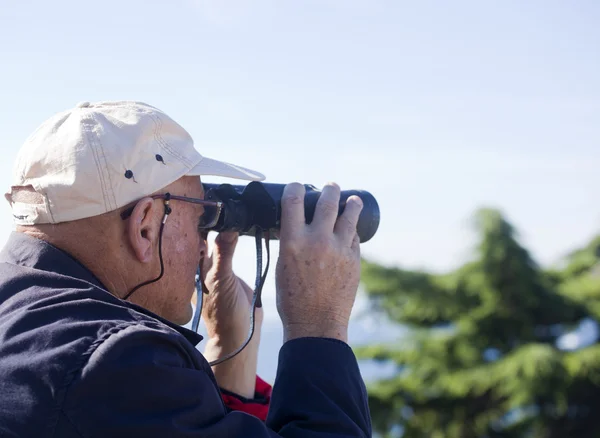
(97, 280)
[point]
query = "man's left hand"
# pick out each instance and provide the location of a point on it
(226, 313)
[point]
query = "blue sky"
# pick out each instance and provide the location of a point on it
(437, 108)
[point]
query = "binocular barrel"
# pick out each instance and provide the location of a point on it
(258, 205)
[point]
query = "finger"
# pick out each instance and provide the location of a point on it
(224, 250)
(292, 210)
(356, 244)
(345, 227)
(206, 264)
(326, 211)
(206, 261)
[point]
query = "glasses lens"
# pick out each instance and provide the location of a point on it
(210, 217)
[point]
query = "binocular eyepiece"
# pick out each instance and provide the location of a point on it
(258, 205)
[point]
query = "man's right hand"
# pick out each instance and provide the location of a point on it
(318, 270)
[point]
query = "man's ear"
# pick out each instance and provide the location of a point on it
(143, 229)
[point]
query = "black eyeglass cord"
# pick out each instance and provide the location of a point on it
(200, 288)
(160, 234)
(256, 296)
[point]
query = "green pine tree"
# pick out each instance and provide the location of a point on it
(482, 358)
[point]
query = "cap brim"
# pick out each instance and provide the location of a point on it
(208, 166)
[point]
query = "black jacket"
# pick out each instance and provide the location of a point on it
(75, 361)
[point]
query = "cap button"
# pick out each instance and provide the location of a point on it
(83, 105)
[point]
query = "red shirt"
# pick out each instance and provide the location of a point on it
(257, 406)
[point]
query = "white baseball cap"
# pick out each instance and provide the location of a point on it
(99, 157)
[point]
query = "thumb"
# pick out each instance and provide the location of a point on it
(225, 244)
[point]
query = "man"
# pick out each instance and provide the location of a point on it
(97, 280)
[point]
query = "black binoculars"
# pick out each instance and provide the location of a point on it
(258, 206)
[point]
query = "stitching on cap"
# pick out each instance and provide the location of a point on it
(161, 142)
(47, 205)
(92, 141)
(157, 137)
(158, 124)
(110, 192)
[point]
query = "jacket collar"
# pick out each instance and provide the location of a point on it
(30, 252)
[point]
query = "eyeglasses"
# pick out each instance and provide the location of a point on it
(209, 218)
